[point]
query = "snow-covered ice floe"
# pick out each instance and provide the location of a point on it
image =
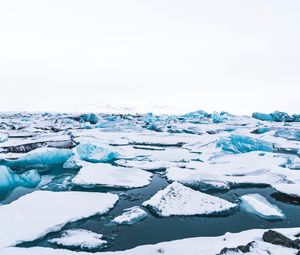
(234, 170)
(131, 216)
(149, 165)
(292, 190)
(36, 214)
(260, 206)
(253, 239)
(106, 175)
(176, 199)
(79, 238)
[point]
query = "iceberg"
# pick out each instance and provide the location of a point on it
(131, 216)
(9, 179)
(36, 214)
(106, 175)
(242, 144)
(290, 134)
(275, 116)
(93, 151)
(176, 199)
(89, 117)
(217, 117)
(291, 189)
(59, 183)
(258, 205)
(79, 238)
(41, 157)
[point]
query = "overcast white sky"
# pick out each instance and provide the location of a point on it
(71, 55)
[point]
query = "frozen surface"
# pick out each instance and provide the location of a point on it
(79, 238)
(38, 213)
(225, 155)
(257, 204)
(106, 175)
(131, 216)
(177, 199)
(195, 246)
(41, 157)
(9, 179)
(289, 189)
(94, 151)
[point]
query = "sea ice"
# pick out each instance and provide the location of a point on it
(36, 214)
(241, 144)
(148, 165)
(94, 151)
(289, 189)
(131, 216)
(291, 134)
(176, 199)
(258, 205)
(79, 238)
(41, 157)
(9, 179)
(106, 175)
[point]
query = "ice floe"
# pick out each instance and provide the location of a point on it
(260, 206)
(198, 245)
(176, 199)
(234, 170)
(149, 165)
(131, 216)
(106, 175)
(289, 189)
(41, 157)
(36, 214)
(79, 238)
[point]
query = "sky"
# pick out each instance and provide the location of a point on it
(159, 55)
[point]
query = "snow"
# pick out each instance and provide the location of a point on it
(234, 170)
(36, 214)
(3, 137)
(148, 165)
(196, 246)
(131, 216)
(176, 199)
(41, 157)
(10, 179)
(79, 238)
(258, 205)
(106, 175)
(289, 189)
